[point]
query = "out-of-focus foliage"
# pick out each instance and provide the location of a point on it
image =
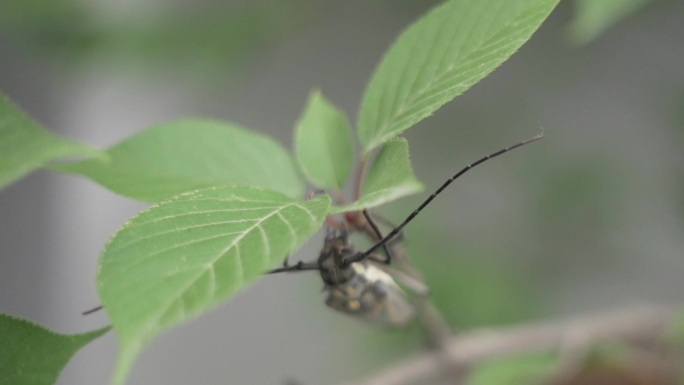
(575, 203)
(205, 36)
(675, 333)
(522, 369)
(468, 284)
(26, 146)
(594, 17)
(472, 290)
(620, 363)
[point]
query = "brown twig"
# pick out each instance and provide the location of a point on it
(636, 325)
(358, 178)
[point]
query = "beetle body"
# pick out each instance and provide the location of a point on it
(361, 289)
(358, 287)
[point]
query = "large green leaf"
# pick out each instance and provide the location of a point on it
(25, 146)
(323, 143)
(172, 158)
(441, 56)
(390, 177)
(184, 256)
(593, 17)
(33, 355)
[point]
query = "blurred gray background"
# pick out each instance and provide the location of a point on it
(588, 220)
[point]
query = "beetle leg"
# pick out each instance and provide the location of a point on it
(300, 266)
(397, 238)
(375, 228)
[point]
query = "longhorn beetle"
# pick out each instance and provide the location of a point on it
(360, 288)
(355, 284)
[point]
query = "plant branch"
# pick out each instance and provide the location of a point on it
(358, 178)
(642, 324)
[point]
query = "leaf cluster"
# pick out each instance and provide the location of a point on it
(229, 203)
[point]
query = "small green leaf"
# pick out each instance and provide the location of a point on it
(440, 57)
(33, 355)
(675, 330)
(389, 178)
(25, 146)
(172, 158)
(593, 17)
(323, 143)
(176, 260)
(522, 369)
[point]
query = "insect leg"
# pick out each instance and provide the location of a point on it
(399, 259)
(360, 256)
(397, 238)
(93, 310)
(286, 261)
(375, 228)
(300, 266)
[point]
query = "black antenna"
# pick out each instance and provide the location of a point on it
(397, 229)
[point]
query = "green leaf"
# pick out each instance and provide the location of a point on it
(33, 355)
(175, 260)
(389, 178)
(172, 158)
(522, 369)
(441, 56)
(25, 146)
(674, 333)
(323, 143)
(593, 17)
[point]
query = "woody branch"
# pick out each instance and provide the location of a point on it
(643, 324)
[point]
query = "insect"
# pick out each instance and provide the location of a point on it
(356, 282)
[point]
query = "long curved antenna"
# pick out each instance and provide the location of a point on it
(408, 219)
